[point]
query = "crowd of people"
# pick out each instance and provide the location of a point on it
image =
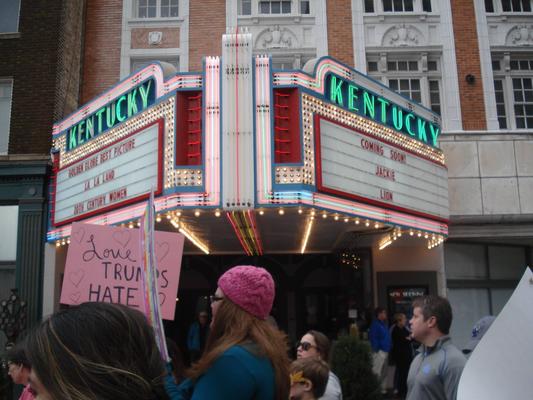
(108, 351)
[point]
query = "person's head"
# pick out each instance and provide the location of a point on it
(380, 313)
(309, 378)
(95, 351)
(240, 307)
(18, 365)
(250, 288)
(478, 331)
(432, 318)
(313, 344)
(400, 319)
(203, 317)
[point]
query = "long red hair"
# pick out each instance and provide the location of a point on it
(233, 326)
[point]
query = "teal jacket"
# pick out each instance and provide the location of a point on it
(238, 374)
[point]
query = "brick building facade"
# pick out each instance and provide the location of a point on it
(40, 68)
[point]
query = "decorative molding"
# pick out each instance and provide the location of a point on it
(520, 35)
(402, 36)
(155, 37)
(276, 37)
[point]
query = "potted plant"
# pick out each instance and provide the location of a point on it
(351, 361)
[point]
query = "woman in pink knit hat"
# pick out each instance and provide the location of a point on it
(245, 356)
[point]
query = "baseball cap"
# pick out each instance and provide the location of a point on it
(478, 331)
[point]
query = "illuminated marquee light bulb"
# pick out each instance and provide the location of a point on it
(367, 223)
(197, 213)
(357, 221)
(346, 219)
(419, 234)
(58, 243)
(336, 218)
(411, 233)
(130, 225)
(300, 211)
(158, 218)
(376, 225)
(217, 213)
(281, 211)
(261, 212)
(324, 215)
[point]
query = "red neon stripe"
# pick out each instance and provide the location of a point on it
(237, 233)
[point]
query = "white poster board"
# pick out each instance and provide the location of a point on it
(501, 366)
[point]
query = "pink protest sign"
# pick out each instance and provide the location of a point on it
(103, 264)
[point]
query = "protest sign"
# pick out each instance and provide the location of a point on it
(104, 264)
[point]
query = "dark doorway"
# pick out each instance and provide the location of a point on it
(313, 291)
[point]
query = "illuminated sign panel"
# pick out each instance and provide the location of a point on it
(370, 105)
(122, 172)
(366, 168)
(113, 113)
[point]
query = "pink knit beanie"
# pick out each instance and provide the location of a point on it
(249, 287)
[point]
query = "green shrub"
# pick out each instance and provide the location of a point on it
(351, 361)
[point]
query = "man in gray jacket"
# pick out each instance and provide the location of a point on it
(435, 372)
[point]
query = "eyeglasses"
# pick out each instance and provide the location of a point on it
(305, 346)
(214, 298)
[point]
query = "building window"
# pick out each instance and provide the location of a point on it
(434, 96)
(516, 5)
(274, 7)
(157, 8)
(480, 280)
(426, 5)
(369, 6)
(397, 5)
(372, 66)
(9, 16)
(489, 6)
(8, 249)
(402, 65)
(407, 87)
(523, 102)
(416, 79)
(6, 91)
(305, 7)
(245, 7)
(500, 103)
(513, 88)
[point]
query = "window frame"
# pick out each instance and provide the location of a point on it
(378, 6)
(506, 75)
(255, 8)
(158, 9)
(422, 73)
(497, 7)
(270, 2)
(7, 81)
(17, 28)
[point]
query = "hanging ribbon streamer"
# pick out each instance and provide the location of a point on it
(149, 277)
